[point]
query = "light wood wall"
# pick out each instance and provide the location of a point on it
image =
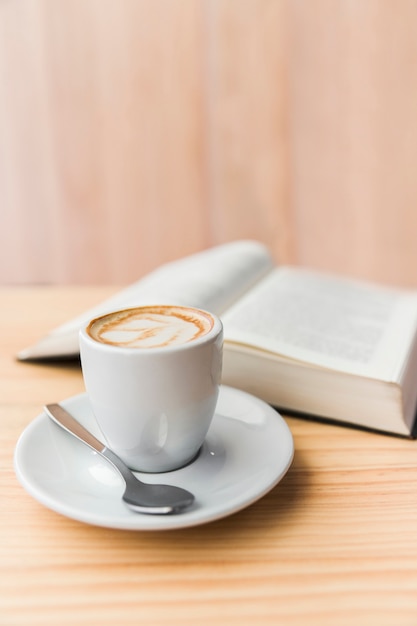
(133, 132)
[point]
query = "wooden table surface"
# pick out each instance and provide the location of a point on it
(335, 542)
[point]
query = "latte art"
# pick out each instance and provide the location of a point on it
(151, 327)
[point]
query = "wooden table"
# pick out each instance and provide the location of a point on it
(334, 543)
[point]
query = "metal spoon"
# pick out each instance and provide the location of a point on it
(140, 497)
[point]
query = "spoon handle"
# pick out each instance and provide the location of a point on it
(141, 497)
(64, 419)
(59, 415)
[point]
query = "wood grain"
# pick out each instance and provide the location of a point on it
(137, 132)
(103, 160)
(248, 137)
(353, 94)
(333, 543)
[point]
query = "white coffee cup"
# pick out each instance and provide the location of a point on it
(152, 375)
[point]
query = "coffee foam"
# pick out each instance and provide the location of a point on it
(150, 327)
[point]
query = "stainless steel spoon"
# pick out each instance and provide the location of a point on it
(140, 497)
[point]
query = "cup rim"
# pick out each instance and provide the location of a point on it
(213, 333)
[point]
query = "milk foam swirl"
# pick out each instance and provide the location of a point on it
(150, 327)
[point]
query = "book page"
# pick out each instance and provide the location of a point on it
(327, 321)
(212, 279)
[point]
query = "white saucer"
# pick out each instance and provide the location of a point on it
(248, 449)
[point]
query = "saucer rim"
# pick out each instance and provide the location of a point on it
(133, 521)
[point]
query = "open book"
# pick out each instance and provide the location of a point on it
(301, 340)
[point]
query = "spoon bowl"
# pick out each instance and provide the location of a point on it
(140, 497)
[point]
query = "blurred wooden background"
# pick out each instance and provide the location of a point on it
(133, 132)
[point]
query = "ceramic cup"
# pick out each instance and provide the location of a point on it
(152, 375)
